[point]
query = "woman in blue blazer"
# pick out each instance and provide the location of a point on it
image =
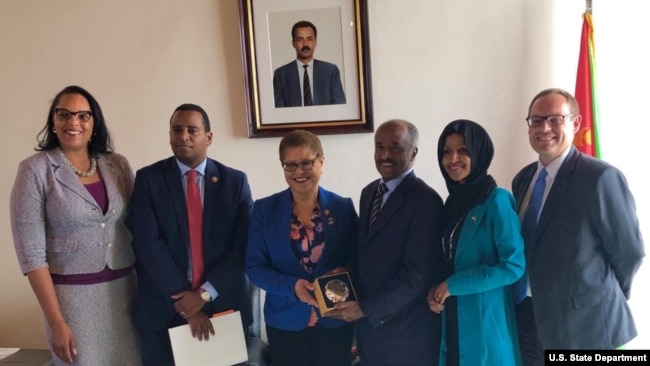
(483, 253)
(296, 236)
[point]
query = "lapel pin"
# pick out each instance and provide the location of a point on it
(326, 212)
(214, 179)
(473, 218)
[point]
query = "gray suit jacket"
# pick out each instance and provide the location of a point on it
(586, 251)
(57, 223)
(326, 86)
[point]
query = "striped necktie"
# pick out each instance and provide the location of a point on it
(376, 203)
(306, 87)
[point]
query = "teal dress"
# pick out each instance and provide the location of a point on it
(489, 257)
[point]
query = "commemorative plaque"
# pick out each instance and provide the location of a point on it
(332, 289)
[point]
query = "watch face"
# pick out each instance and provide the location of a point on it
(205, 296)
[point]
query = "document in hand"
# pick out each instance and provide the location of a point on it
(225, 348)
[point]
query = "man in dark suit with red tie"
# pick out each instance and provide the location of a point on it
(189, 219)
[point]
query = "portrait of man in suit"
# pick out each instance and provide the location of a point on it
(306, 81)
(189, 219)
(398, 253)
(582, 242)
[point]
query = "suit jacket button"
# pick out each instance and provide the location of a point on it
(102, 225)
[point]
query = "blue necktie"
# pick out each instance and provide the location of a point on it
(376, 203)
(528, 228)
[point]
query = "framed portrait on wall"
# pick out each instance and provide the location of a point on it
(306, 65)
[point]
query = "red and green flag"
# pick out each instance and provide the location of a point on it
(586, 139)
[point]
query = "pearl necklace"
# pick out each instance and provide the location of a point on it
(81, 173)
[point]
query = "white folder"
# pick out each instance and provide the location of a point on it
(225, 348)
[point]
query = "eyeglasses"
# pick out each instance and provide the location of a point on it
(554, 120)
(65, 115)
(305, 165)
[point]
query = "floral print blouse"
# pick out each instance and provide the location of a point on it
(307, 242)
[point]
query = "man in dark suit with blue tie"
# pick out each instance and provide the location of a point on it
(398, 253)
(189, 246)
(585, 246)
(306, 81)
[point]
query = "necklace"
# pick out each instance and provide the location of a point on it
(447, 250)
(81, 173)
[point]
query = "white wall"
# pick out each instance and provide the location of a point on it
(623, 79)
(432, 61)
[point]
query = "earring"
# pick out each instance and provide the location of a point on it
(54, 130)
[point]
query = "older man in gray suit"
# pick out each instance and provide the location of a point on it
(584, 249)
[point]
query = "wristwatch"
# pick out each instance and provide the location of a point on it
(205, 296)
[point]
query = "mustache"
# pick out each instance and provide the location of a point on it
(381, 161)
(305, 48)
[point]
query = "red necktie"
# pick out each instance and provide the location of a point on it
(195, 223)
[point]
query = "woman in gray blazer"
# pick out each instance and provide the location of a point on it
(68, 206)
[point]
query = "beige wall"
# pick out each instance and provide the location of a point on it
(432, 61)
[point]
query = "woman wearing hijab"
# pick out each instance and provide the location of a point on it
(483, 254)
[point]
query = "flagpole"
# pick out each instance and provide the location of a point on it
(588, 6)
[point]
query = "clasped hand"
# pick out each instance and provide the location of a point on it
(188, 305)
(437, 296)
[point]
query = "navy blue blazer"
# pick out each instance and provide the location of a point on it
(326, 86)
(396, 268)
(158, 222)
(272, 265)
(587, 249)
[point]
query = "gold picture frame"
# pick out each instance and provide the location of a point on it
(266, 44)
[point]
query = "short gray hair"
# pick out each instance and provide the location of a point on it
(414, 135)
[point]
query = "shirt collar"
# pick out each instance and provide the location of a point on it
(393, 183)
(200, 168)
(553, 167)
(300, 64)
